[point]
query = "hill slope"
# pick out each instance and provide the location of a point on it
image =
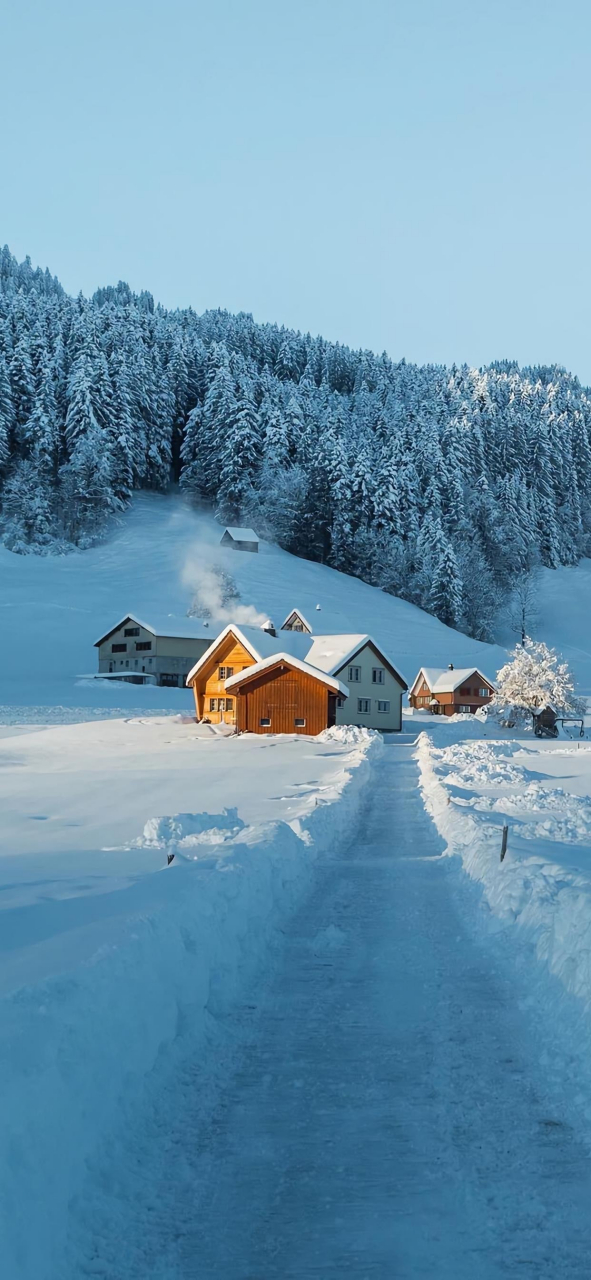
(54, 608)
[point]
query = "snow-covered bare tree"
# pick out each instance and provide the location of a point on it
(524, 605)
(534, 678)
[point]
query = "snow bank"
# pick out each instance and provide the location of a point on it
(547, 902)
(168, 964)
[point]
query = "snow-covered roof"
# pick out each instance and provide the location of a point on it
(328, 653)
(442, 680)
(260, 644)
(332, 652)
(300, 615)
(292, 661)
(241, 535)
(168, 626)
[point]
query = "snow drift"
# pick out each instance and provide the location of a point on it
(548, 901)
(79, 1048)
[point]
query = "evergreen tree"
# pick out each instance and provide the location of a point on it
(446, 594)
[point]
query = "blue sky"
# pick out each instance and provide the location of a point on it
(403, 176)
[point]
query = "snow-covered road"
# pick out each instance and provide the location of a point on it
(384, 1112)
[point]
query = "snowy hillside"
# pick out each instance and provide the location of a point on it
(54, 608)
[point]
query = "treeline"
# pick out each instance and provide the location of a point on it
(441, 485)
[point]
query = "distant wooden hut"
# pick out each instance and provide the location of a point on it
(240, 539)
(545, 721)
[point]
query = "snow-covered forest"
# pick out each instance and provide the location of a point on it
(441, 485)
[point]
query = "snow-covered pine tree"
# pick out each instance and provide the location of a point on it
(239, 458)
(446, 596)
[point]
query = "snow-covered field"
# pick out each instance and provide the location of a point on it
(53, 609)
(109, 957)
(307, 878)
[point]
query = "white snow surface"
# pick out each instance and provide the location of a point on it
(543, 887)
(53, 608)
(107, 952)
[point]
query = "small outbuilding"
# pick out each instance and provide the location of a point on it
(239, 539)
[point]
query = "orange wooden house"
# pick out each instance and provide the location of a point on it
(445, 691)
(261, 683)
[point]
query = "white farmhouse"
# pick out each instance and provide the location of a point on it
(161, 651)
(375, 686)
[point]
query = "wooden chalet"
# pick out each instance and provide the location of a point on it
(450, 690)
(293, 682)
(260, 683)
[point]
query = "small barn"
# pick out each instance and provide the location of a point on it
(240, 539)
(447, 690)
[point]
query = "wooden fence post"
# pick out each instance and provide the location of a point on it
(504, 842)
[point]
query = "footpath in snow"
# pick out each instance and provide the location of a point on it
(116, 968)
(384, 1105)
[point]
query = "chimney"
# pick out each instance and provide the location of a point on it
(451, 666)
(269, 628)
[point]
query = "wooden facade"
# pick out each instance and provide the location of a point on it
(209, 686)
(284, 699)
(473, 692)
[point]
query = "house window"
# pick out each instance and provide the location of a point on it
(484, 693)
(265, 722)
(384, 706)
(378, 675)
(464, 708)
(131, 631)
(143, 644)
(340, 702)
(118, 648)
(364, 706)
(354, 675)
(229, 704)
(226, 672)
(169, 679)
(213, 704)
(299, 724)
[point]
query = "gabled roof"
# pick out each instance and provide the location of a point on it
(328, 653)
(296, 613)
(442, 680)
(290, 661)
(332, 652)
(241, 535)
(169, 627)
(260, 644)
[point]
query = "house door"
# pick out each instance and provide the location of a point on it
(332, 710)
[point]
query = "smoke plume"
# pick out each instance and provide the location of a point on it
(214, 592)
